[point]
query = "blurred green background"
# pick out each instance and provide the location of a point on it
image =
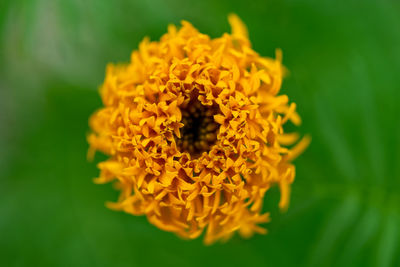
(344, 59)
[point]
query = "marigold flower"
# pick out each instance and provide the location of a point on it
(193, 127)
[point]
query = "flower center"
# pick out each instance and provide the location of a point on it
(199, 132)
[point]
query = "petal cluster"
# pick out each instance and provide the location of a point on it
(221, 190)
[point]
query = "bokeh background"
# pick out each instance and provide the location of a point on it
(344, 62)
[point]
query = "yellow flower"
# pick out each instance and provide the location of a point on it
(193, 127)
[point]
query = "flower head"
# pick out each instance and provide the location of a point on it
(193, 127)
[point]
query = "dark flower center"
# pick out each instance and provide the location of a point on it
(200, 130)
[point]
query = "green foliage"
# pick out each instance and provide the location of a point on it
(343, 58)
